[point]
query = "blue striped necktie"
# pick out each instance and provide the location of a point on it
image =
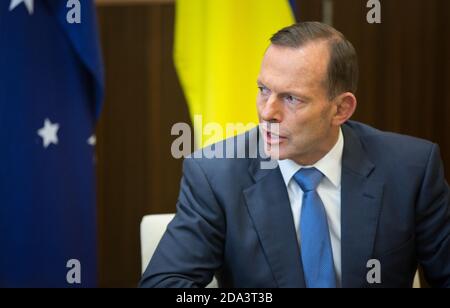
(317, 255)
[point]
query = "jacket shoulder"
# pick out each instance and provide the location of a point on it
(391, 145)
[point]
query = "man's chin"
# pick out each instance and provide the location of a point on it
(276, 151)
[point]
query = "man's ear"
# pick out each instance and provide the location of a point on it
(345, 107)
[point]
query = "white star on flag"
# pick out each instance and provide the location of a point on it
(49, 133)
(92, 140)
(28, 3)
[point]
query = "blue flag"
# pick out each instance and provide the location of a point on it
(51, 86)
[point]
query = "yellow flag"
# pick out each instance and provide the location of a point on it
(219, 45)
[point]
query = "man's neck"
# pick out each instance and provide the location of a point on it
(309, 160)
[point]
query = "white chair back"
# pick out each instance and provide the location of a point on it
(152, 230)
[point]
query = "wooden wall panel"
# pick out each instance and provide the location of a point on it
(136, 172)
(404, 78)
(309, 10)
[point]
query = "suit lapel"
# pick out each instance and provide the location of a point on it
(269, 208)
(361, 198)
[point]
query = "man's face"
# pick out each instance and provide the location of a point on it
(292, 84)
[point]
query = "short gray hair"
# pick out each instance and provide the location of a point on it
(343, 71)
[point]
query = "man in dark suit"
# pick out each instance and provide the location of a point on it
(347, 205)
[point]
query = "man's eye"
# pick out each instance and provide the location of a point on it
(292, 100)
(263, 90)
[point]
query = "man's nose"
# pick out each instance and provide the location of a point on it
(271, 111)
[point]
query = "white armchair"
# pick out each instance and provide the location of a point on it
(152, 230)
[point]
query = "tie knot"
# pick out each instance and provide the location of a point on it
(308, 179)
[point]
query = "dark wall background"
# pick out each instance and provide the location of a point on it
(405, 74)
(136, 172)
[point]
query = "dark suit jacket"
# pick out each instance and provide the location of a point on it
(234, 219)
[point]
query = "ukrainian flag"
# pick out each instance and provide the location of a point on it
(219, 45)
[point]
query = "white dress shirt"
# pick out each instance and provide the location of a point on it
(329, 191)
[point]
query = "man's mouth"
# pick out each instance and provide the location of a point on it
(272, 137)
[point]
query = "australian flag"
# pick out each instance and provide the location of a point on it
(51, 85)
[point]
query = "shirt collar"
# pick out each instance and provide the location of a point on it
(330, 165)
